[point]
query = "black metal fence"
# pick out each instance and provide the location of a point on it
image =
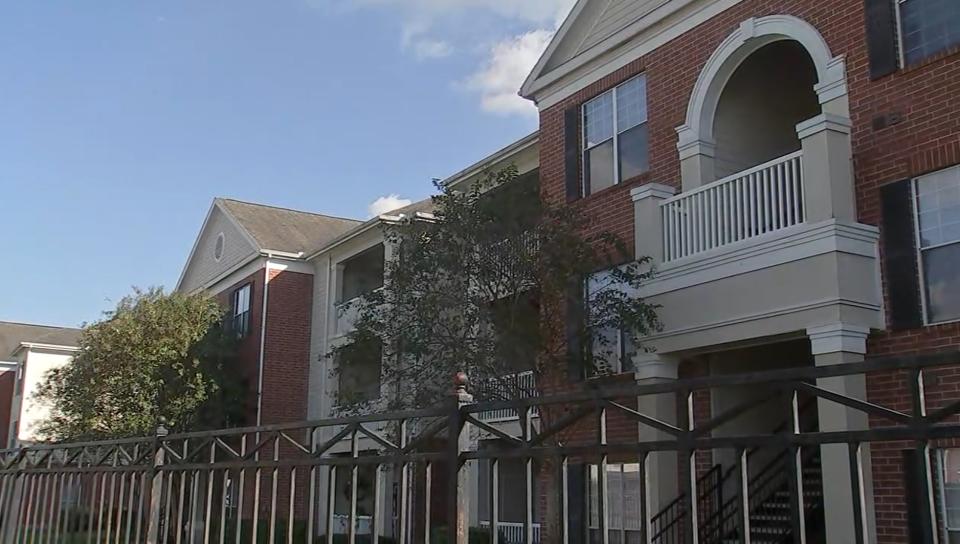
(405, 477)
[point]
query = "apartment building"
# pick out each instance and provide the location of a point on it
(792, 168)
(27, 353)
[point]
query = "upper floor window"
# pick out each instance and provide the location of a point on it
(612, 347)
(615, 139)
(240, 311)
(949, 480)
(928, 27)
(359, 368)
(362, 273)
(938, 240)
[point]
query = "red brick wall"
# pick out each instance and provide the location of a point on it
(927, 97)
(248, 353)
(8, 380)
(286, 364)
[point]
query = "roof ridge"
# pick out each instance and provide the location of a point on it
(288, 209)
(61, 327)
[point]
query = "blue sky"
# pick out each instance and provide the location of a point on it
(121, 120)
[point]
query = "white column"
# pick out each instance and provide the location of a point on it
(832, 344)
(697, 159)
(827, 168)
(648, 221)
(652, 368)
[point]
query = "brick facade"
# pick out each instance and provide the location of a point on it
(925, 96)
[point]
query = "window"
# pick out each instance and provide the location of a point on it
(949, 488)
(928, 27)
(938, 239)
(240, 312)
(623, 503)
(362, 273)
(359, 368)
(612, 347)
(615, 135)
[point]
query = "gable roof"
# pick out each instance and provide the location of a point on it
(13, 334)
(283, 229)
(595, 30)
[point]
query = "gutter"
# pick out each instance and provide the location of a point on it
(52, 347)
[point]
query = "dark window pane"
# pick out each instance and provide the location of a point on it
(634, 159)
(942, 283)
(928, 27)
(599, 167)
(359, 369)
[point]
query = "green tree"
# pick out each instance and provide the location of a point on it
(156, 357)
(481, 287)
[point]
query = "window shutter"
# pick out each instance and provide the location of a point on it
(574, 329)
(571, 152)
(577, 502)
(900, 256)
(882, 43)
(919, 526)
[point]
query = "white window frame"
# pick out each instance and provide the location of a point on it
(941, 463)
(584, 149)
(236, 307)
(902, 56)
(915, 194)
(620, 346)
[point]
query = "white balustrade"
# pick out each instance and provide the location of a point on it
(512, 533)
(748, 204)
(525, 384)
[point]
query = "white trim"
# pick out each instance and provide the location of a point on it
(838, 337)
(823, 122)
(762, 316)
(233, 275)
(652, 190)
(50, 347)
(196, 242)
(791, 244)
(615, 137)
(515, 148)
(299, 267)
(608, 56)
(750, 36)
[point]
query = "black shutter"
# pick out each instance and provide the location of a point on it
(577, 503)
(900, 255)
(919, 519)
(575, 319)
(882, 37)
(571, 152)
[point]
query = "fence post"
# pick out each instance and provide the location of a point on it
(458, 517)
(156, 488)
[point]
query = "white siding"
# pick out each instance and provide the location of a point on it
(26, 409)
(203, 267)
(619, 13)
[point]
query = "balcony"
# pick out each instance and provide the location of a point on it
(768, 251)
(747, 205)
(522, 384)
(346, 315)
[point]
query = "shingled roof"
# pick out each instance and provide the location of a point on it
(283, 229)
(13, 334)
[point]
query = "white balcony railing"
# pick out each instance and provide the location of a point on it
(512, 533)
(748, 204)
(347, 315)
(525, 383)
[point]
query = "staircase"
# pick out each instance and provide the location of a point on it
(769, 503)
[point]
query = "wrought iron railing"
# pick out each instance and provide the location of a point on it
(410, 472)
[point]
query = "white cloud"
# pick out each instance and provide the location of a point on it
(386, 204)
(508, 64)
(432, 29)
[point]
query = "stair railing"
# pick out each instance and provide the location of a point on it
(719, 515)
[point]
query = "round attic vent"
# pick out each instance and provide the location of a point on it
(218, 248)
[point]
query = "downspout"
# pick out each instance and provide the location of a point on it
(263, 321)
(263, 339)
